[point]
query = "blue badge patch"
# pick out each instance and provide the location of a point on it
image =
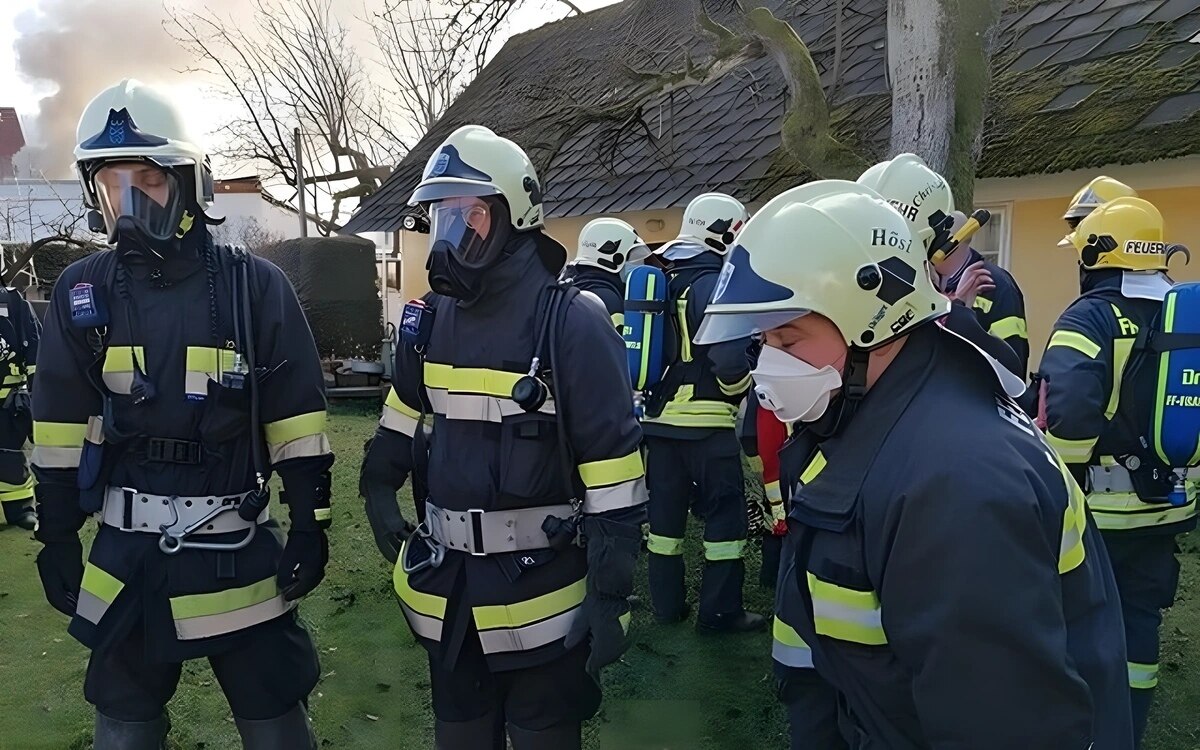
(439, 165)
(88, 309)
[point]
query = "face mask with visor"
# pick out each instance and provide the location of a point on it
(141, 201)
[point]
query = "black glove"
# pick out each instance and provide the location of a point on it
(612, 549)
(383, 513)
(302, 566)
(60, 566)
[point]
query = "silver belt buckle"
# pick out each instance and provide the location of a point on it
(475, 533)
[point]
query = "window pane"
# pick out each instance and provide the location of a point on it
(989, 240)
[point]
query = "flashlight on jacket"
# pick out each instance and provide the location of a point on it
(980, 217)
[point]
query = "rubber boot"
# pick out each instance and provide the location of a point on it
(114, 734)
(561, 737)
(292, 731)
(20, 513)
(484, 733)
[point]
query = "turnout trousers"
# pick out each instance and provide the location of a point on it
(703, 475)
(1147, 573)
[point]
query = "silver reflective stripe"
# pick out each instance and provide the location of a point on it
(473, 407)
(792, 656)
(304, 447)
(118, 382)
(207, 626)
(196, 383)
(829, 610)
(397, 422)
(91, 607)
(422, 625)
(502, 640)
(623, 495)
(51, 457)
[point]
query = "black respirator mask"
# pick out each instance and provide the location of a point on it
(467, 237)
(143, 207)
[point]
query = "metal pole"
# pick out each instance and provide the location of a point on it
(300, 183)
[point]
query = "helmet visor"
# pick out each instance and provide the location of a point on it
(439, 191)
(720, 327)
(143, 192)
(474, 230)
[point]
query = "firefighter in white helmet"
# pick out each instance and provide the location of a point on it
(533, 445)
(175, 378)
(693, 453)
(609, 249)
(893, 533)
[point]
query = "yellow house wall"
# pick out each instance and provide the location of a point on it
(1048, 275)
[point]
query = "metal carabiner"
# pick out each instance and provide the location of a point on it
(173, 541)
(437, 553)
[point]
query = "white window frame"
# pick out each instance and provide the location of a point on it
(1003, 211)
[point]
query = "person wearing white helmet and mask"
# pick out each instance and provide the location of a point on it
(518, 577)
(693, 453)
(175, 378)
(941, 570)
(608, 250)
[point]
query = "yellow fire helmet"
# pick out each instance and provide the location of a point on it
(1123, 233)
(1095, 194)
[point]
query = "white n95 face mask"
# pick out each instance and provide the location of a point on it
(792, 388)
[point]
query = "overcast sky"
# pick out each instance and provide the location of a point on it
(93, 49)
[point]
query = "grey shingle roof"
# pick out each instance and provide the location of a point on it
(1079, 83)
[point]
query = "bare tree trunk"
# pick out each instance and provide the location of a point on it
(921, 67)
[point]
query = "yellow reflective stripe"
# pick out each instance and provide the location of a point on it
(715, 551)
(1122, 348)
(618, 320)
(1071, 551)
(685, 334)
(429, 605)
(14, 379)
(220, 602)
(120, 358)
(1142, 676)
(1120, 511)
(323, 514)
(394, 403)
(30, 369)
(983, 304)
(773, 492)
(293, 428)
(814, 468)
(1076, 341)
(789, 649)
(531, 610)
(1009, 327)
(12, 493)
(477, 380)
(309, 445)
(625, 619)
(846, 614)
(682, 412)
(59, 434)
(1072, 451)
(100, 583)
(664, 545)
(208, 359)
(612, 470)
(733, 389)
(786, 634)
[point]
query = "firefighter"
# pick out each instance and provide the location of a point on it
(175, 377)
(931, 638)
(511, 410)
(19, 335)
(1098, 406)
(988, 289)
(1091, 196)
(609, 249)
(693, 454)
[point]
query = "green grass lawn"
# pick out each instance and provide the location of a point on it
(673, 691)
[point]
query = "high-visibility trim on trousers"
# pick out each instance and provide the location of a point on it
(529, 624)
(788, 648)
(1142, 676)
(664, 545)
(219, 612)
(717, 551)
(97, 592)
(846, 614)
(425, 612)
(15, 493)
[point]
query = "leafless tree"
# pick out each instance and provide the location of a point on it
(294, 67)
(247, 231)
(427, 64)
(477, 23)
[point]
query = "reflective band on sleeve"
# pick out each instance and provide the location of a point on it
(1122, 348)
(983, 304)
(1076, 341)
(664, 545)
(773, 492)
(1009, 327)
(625, 495)
(612, 470)
(59, 434)
(293, 428)
(846, 614)
(1142, 676)
(310, 445)
(789, 649)
(48, 457)
(733, 389)
(1071, 551)
(1072, 451)
(715, 551)
(813, 469)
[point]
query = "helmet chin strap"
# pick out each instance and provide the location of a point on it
(845, 404)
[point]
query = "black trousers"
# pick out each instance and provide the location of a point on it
(534, 699)
(706, 476)
(263, 677)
